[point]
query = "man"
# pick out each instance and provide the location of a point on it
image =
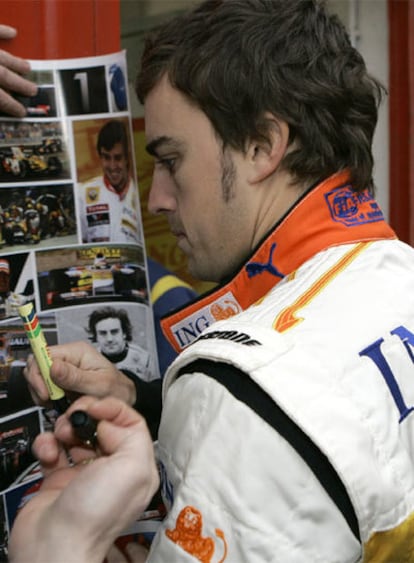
(286, 427)
(109, 204)
(111, 330)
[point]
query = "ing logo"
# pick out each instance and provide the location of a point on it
(227, 309)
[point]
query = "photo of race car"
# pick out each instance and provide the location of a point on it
(49, 145)
(39, 109)
(43, 103)
(34, 215)
(89, 275)
(33, 151)
(20, 163)
(85, 283)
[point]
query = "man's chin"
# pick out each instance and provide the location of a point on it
(202, 272)
(117, 184)
(192, 267)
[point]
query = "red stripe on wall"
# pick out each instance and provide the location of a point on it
(55, 29)
(401, 100)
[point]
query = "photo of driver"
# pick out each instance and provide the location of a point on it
(123, 332)
(109, 202)
(110, 330)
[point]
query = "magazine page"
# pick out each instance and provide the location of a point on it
(71, 238)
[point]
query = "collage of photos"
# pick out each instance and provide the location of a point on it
(71, 243)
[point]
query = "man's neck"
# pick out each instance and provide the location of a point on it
(120, 189)
(279, 193)
(115, 358)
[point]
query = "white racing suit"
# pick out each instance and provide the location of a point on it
(136, 361)
(107, 215)
(287, 430)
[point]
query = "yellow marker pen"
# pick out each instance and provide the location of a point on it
(41, 353)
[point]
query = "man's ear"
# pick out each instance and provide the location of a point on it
(265, 155)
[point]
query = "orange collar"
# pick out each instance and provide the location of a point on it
(328, 215)
(120, 194)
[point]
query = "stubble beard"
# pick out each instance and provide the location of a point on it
(215, 272)
(228, 176)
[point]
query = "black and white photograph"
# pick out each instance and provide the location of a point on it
(120, 331)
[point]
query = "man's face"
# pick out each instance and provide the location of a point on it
(115, 166)
(110, 336)
(200, 188)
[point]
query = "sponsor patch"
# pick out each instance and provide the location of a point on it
(189, 329)
(92, 194)
(351, 208)
(233, 335)
(188, 534)
(256, 268)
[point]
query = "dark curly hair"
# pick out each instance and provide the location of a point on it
(109, 313)
(238, 59)
(111, 133)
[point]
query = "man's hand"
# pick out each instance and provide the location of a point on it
(79, 369)
(81, 509)
(11, 69)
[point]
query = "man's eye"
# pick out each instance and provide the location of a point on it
(167, 163)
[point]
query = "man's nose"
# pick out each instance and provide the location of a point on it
(112, 163)
(161, 197)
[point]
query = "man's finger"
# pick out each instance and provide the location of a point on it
(13, 63)
(7, 32)
(13, 82)
(10, 106)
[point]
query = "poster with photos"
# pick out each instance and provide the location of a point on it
(71, 242)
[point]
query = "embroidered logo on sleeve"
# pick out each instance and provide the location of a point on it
(187, 534)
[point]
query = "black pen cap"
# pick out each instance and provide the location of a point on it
(84, 426)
